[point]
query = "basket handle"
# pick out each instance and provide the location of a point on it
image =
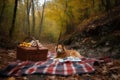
(33, 38)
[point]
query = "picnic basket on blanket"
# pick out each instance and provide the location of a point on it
(35, 53)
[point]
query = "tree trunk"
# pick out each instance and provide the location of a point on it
(2, 11)
(108, 5)
(69, 23)
(28, 20)
(13, 20)
(33, 18)
(117, 2)
(103, 3)
(41, 21)
(37, 4)
(66, 10)
(61, 30)
(86, 13)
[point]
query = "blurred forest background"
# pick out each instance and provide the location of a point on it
(47, 20)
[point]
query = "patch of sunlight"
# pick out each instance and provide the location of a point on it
(41, 2)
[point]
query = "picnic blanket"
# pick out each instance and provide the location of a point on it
(51, 66)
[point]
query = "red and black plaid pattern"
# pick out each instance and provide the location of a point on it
(52, 66)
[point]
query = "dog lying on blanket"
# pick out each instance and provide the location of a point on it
(62, 52)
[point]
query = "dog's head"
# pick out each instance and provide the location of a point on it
(60, 49)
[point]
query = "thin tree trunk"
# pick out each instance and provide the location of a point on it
(69, 24)
(28, 20)
(61, 30)
(13, 20)
(41, 21)
(103, 3)
(108, 5)
(37, 4)
(33, 18)
(66, 11)
(117, 2)
(2, 11)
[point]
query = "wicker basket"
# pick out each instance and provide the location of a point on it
(32, 53)
(35, 53)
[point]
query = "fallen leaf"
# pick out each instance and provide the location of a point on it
(11, 78)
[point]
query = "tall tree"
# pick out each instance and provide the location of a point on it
(69, 21)
(41, 21)
(13, 20)
(33, 18)
(106, 4)
(117, 2)
(2, 10)
(28, 13)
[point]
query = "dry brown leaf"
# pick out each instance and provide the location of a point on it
(11, 78)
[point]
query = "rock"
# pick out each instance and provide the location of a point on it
(107, 43)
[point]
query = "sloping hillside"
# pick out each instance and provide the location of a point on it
(98, 37)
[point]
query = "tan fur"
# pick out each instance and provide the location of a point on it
(67, 53)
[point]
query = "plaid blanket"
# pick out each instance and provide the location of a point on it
(51, 66)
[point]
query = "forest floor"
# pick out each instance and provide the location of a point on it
(109, 71)
(101, 39)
